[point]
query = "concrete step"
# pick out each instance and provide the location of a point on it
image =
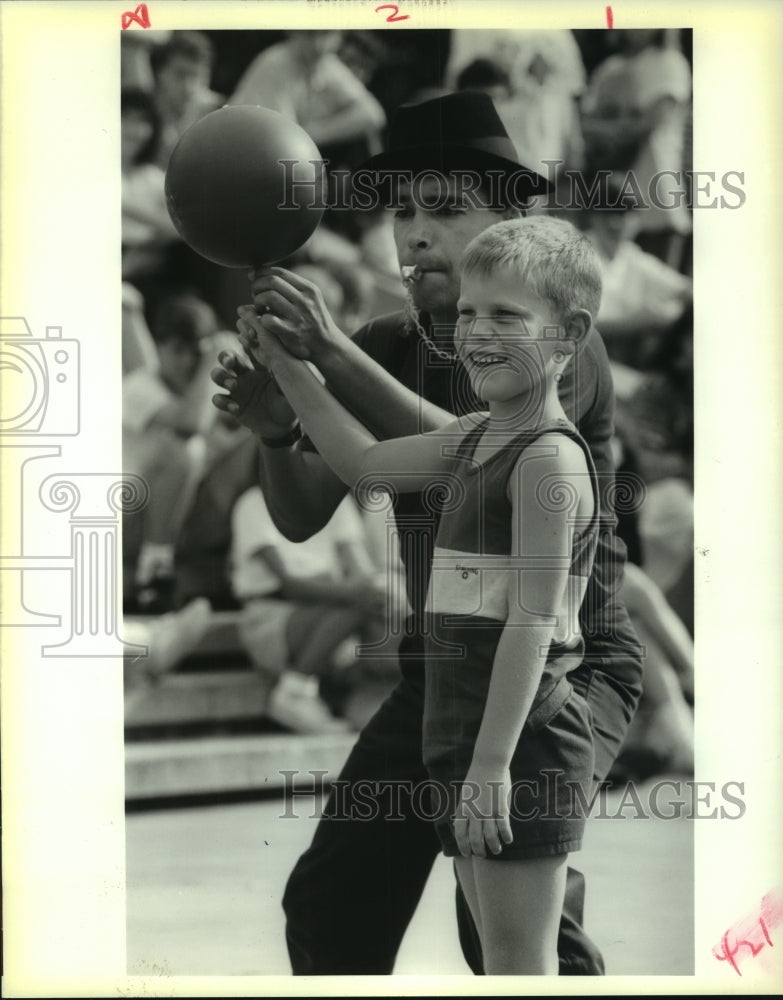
(210, 696)
(227, 764)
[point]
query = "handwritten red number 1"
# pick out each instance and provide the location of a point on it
(396, 16)
(139, 16)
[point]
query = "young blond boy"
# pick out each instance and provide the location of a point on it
(513, 554)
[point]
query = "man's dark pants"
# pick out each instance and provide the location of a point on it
(351, 895)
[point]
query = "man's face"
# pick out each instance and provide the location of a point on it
(180, 80)
(435, 238)
(505, 335)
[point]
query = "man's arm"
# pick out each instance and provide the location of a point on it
(300, 489)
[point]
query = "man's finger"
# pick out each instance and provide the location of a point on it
(225, 403)
(280, 283)
(272, 301)
(225, 379)
(299, 283)
(227, 359)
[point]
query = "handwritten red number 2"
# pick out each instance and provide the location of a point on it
(396, 16)
(139, 16)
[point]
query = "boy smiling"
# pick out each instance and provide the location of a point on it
(499, 712)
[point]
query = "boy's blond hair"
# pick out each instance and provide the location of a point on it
(550, 255)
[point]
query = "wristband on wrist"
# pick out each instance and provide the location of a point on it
(286, 440)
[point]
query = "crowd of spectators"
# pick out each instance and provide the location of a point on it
(602, 104)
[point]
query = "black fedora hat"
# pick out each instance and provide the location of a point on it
(461, 131)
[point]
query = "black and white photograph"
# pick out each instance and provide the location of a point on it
(404, 545)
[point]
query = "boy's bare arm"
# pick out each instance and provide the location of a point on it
(406, 464)
(537, 574)
(538, 577)
(307, 330)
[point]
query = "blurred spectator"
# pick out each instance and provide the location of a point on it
(138, 347)
(659, 418)
(169, 433)
(169, 639)
(487, 76)
(182, 68)
(135, 69)
(641, 294)
(535, 78)
(363, 52)
(661, 736)
(304, 79)
(301, 602)
(635, 113)
(147, 230)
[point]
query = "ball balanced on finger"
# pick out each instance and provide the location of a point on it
(229, 187)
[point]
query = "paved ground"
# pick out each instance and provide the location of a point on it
(204, 889)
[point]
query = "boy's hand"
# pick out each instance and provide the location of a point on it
(261, 345)
(296, 311)
(482, 817)
(252, 396)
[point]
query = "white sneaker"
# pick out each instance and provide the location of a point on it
(295, 704)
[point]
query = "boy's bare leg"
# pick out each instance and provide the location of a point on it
(467, 880)
(520, 904)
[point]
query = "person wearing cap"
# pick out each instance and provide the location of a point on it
(352, 894)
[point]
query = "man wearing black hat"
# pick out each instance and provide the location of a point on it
(353, 892)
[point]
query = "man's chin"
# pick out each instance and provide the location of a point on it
(435, 300)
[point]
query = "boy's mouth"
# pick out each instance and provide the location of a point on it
(485, 359)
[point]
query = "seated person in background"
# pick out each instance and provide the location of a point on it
(147, 231)
(659, 417)
(661, 735)
(169, 639)
(182, 69)
(169, 432)
(304, 79)
(488, 76)
(642, 295)
(634, 115)
(534, 78)
(301, 602)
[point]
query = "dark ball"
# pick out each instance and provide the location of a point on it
(245, 186)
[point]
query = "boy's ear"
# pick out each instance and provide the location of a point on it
(577, 327)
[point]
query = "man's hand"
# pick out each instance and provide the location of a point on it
(252, 395)
(294, 311)
(482, 817)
